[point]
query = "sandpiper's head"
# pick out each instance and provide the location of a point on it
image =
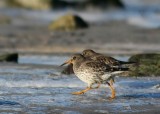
(88, 53)
(76, 58)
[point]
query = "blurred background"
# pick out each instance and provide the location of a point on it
(69, 26)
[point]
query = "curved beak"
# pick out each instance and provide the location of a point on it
(67, 62)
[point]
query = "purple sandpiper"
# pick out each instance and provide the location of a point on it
(93, 72)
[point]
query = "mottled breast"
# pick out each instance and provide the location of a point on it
(91, 71)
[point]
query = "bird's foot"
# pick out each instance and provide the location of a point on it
(78, 93)
(111, 98)
(113, 92)
(112, 81)
(81, 92)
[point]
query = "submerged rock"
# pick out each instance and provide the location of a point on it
(148, 65)
(10, 57)
(68, 69)
(68, 22)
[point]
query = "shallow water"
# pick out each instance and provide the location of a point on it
(41, 88)
(52, 60)
(43, 59)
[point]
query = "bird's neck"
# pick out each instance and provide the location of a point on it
(77, 64)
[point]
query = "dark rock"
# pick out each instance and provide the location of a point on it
(104, 3)
(68, 69)
(141, 57)
(10, 57)
(54, 4)
(148, 65)
(68, 22)
(83, 4)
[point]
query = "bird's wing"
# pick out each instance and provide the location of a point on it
(106, 59)
(97, 66)
(113, 61)
(101, 70)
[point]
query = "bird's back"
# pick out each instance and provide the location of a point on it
(93, 67)
(106, 59)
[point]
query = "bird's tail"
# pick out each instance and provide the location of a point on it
(115, 73)
(126, 62)
(117, 68)
(111, 75)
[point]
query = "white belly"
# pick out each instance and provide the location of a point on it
(85, 77)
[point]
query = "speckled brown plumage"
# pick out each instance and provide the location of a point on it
(102, 58)
(92, 72)
(90, 54)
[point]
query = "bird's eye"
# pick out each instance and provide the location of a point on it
(74, 58)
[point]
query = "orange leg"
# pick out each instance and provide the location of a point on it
(82, 91)
(112, 81)
(85, 90)
(113, 92)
